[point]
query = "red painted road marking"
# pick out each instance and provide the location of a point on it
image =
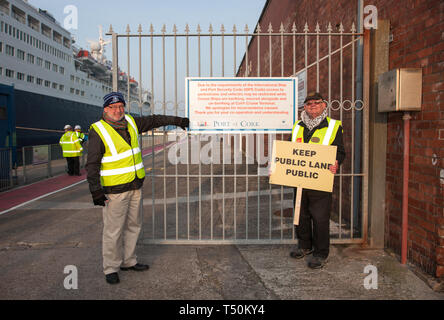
(15, 197)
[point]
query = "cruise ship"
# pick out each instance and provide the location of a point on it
(54, 82)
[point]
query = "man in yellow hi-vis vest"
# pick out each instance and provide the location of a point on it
(115, 176)
(72, 150)
(313, 231)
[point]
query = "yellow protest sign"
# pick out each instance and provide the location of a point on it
(302, 165)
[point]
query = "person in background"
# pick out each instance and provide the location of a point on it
(313, 231)
(80, 134)
(115, 174)
(72, 150)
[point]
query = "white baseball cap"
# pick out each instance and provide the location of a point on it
(77, 127)
(67, 127)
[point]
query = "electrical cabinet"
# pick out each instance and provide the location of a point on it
(400, 90)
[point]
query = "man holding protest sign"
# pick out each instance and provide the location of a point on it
(313, 231)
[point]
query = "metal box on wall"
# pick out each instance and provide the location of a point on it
(400, 90)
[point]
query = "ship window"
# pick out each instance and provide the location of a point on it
(48, 65)
(18, 14)
(61, 87)
(33, 23)
(47, 83)
(39, 61)
(55, 68)
(20, 76)
(4, 6)
(72, 78)
(20, 54)
(1, 46)
(82, 93)
(62, 70)
(30, 79)
(71, 90)
(30, 58)
(1, 26)
(10, 73)
(83, 81)
(46, 30)
(39, 81)
(54, 85)
(77, 91)
(9, 50)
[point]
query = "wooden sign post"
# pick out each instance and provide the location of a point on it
(302, 165)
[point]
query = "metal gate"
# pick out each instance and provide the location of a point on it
(213, 189)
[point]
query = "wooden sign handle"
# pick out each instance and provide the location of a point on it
(297, 206)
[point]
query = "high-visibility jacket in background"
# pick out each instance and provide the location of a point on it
(70, 144)
(80, 135)
(325, 135)
(121, 162)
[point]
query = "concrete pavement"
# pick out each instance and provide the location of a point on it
(42, 240)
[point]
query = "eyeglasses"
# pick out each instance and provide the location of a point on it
(115, 108)
(314, 103)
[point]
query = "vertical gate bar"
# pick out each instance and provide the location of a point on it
(24, 165)
(258, 142)
(164, 132)
(317, 56)
(211, 141)
(115, 61)
(11, 181)
(341, 105)
(175, 131)
(234, 139)
(293, 29)
(282, 135)
(152, 140)
(270, 30)
(222, 30)
(352, 204)
(247, 136)
(49, 161)
(258, 149)
(200, 160)
(187, 30)
(129, 69)
(140, 109)
(329, 30)
(366, 95)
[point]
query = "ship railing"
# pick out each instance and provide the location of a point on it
(31, 164)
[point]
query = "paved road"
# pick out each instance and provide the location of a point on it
(38, 240)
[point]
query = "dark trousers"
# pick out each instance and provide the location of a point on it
(73, 165)
(313, 230)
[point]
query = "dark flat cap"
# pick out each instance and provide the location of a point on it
(313, 96)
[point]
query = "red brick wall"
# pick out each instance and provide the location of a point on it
(418, 41)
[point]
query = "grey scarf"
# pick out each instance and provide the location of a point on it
(313, 123)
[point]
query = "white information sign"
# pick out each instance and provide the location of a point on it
(241, 104)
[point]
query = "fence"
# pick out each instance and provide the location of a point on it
(228, 199)
(35, 163)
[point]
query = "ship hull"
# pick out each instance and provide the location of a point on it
(44, 117)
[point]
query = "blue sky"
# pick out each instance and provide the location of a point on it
(169, 12)
(91, 14)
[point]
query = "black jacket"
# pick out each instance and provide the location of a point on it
(96, 150)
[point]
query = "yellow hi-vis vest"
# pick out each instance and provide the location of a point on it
(325, 135)
(70, 144)
(121, 161)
